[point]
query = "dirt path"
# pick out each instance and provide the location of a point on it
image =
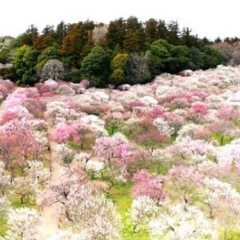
(51, 224)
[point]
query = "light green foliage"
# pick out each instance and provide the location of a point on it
(4, 54)
(3, 228)
(119, 61)
(112, 128)
(232, 234)
(118, 66)
(121, 196)
(221, 138)
(15, 43)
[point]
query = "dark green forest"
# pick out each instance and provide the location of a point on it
(124, 51)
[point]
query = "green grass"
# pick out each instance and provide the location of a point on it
(112, 128)
(85, 145)
(16, 203)
(160, 167)
(230, 234)
(221, 139)
(121, 196)
(3, 228)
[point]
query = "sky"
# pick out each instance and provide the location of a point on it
(206, 18)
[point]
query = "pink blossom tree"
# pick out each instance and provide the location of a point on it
(77, 132)
(35, 107)
(116, 153)
(182, 181)
(22, 142)
(223, 131)
(149, 185)
(9, 153)
(144, 133)
(63, 133)
(15, 112)
(197, 111)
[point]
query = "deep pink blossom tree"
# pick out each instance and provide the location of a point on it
(27, 144)
(197, 111)
(144, 133)
(63, 133)
(9, 153)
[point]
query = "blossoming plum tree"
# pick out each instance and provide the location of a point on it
(23, 223)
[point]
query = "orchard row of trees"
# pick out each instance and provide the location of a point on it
(124, 51)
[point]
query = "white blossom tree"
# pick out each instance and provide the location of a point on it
(23, 224)
(179, 223)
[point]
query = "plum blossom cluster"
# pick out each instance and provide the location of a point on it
(178, 223)
(82, 208)
(23, 223)
(172, 144)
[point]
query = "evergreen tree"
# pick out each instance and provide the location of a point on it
(60, 32)
(151, 31)
(158, 57)
(188, 39)
(179, 59)
(96, 67)
(212, 57)
(218, 40)
(134, 39)
(29, 36)
(162, 30)
(173, 33)
(76, 39)
(49, 53)
(24, 61)
(116, 33)
(196, 59)
(48, 31)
